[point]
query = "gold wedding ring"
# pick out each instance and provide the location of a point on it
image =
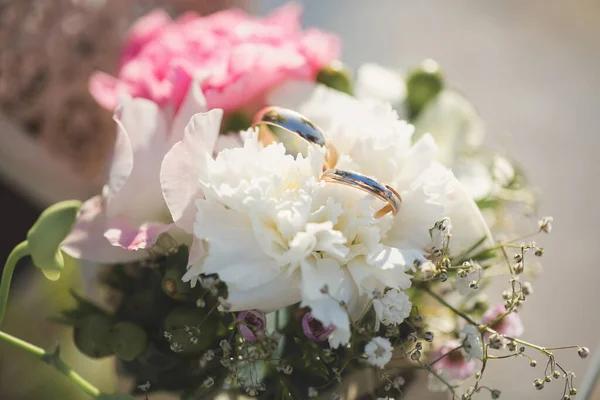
(293, 122)
(366, 184)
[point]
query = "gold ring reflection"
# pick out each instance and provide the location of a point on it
(293, 122)
(366, 184)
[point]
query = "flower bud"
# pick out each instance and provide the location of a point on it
(533, 363)
(548, 378)
(573, 391)
(583, 352)
(428, 336)
(415, 355)
(251, 324)
(314, 330)
(127, 340)
(539, 384)
(336, 76)
(91, 335)
(423, 84)
(495, 394)
(46, 235)
(495, 341)
(556, 374)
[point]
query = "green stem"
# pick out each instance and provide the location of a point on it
(456, 311)
(54, 360)
(20, 251)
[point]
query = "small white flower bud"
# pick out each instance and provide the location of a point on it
(428, 336)
(312, 392)
(539, 252)
(518, 267)
(583, 352)
(495, 341)
(556, 374)
(539, 384)
(533, 363)
(573, 391)
(546, 224)
(527, 288)
(415, 355)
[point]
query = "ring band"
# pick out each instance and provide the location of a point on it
(366, 184)
(290, 121)
(295, 123)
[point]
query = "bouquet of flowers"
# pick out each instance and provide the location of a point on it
(271, 224)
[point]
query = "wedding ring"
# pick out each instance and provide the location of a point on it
(366, 184)
(296, 123)
(290, 121)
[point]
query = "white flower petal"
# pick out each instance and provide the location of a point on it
(142, 141)
(181, 167)
(86, 240)
(376, 82)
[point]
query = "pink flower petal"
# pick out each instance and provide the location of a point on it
(121, 233)
(87, 242)
(145, 29)
(134, 184)
(193, 103)
(179, 172)
(244, 56)
(105, 89)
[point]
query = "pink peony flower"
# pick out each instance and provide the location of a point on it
(241, 56)
(454, 367)
(510, 325)
(148, 188)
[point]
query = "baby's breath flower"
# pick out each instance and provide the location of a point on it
(472, 343)
(379, 351)
(392, 309)
(546, 224)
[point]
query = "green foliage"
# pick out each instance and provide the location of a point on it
(91, 335)
(46, 235)
(127, 340)
(336, 76)
(422, 85)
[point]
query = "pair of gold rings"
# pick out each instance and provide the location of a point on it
(296, 123)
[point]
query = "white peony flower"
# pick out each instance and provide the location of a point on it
(277, 234)
(472, 345)
(454, 123)
(379, 351)
(392, 308)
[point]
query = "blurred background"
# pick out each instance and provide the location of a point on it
(530, 67)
